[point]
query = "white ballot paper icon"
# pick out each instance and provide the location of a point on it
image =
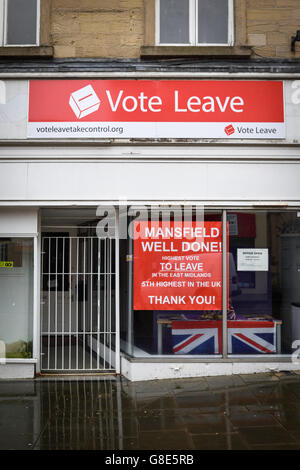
(84, 101)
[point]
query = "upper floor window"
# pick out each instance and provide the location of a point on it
(194, 22)
(20, 25)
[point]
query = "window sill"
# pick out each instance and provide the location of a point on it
(165, 52)
(26, 51)
(20, 360)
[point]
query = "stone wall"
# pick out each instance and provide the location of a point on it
(115, 28)
(270, 26)
(97, 28)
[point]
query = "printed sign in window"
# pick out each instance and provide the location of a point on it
(178, 266)
(253, 259)
(6, 264)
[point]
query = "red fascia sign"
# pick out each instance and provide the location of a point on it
(177, 266)
(232, 109)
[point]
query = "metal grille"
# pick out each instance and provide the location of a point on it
(78, 324)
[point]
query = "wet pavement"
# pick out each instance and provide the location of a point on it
(259, 411)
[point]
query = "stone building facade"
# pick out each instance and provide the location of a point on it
(121, 28)
(110, 109)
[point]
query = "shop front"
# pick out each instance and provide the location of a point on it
(161, 242)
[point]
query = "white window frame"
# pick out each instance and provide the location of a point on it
(3, 26)
(193, 29)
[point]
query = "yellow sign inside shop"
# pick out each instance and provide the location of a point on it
(6, 264)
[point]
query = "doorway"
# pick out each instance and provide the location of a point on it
(78, 303)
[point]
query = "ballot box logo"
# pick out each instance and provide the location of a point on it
(229, 130)
(84, 101)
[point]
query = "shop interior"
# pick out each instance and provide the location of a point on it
(264, 299)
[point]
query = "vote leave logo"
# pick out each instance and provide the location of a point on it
(84, 101)
(229, 129)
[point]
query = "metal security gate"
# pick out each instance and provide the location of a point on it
(78, 307)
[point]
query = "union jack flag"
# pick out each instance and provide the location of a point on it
(251, 337)
(196, 337)
(205, 337)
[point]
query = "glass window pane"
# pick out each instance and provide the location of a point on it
(16, 294)
(174, 21)
(172, 275)
(212, 21)
(21, 22)
(264, 271)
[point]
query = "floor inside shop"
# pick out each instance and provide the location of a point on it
(70, 356)
(258, 411)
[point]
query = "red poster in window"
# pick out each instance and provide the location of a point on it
(178, 266)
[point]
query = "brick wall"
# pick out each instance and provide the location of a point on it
(115, 28)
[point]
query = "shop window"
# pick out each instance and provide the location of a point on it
(20, 25)
(194, 22)
(171, 295)
(266, 253)
(171, 274)
(10, 254)
(16, 294)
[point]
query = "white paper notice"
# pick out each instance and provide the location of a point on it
(253, 259)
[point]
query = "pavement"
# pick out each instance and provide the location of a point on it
(257, 411)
